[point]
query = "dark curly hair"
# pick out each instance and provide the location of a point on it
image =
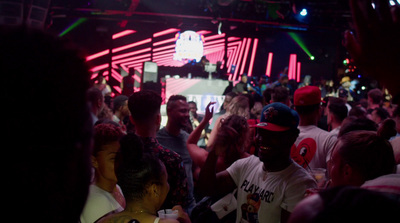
(234, 134)
(104, 134)
(144, 104)
(136, 170)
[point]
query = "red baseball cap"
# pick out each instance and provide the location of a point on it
(308, 95)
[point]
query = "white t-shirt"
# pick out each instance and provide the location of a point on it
(98, 204)
(261, 195)
(389, 183)
(315, 144)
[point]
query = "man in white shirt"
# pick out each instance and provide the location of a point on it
(313, 144)
(336, 112)
(268, 186)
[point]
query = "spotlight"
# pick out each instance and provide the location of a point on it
(303, 12)
(312, 58)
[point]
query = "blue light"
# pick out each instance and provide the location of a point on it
(303, 12)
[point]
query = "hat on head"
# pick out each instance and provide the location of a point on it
(345, 79)
(308, 95)
(278, 117)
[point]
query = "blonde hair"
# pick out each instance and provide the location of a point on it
(238, 106)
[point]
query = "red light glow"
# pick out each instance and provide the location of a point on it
(167, 31)
(269, 64)
(123, 33)
(97, 55)
(292, 66)
(253, 55)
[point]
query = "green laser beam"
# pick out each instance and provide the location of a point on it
(72, 26)
(299, 42)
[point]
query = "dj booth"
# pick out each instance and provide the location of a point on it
(197, 83)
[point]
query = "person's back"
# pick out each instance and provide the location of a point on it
(348, 205)
(313, 143)
(353, 123)
(375, 99)
(360, 156)
(281, 94)
(143, 179)
(128, 83)
(50, 129)
(145, 114)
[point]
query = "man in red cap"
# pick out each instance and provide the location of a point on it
(268, 186)
(313, 144)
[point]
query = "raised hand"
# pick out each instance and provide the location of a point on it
(209, 112)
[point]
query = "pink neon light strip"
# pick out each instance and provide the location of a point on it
(234, 43)
(239, 58)
(100, 67)
(167, 31)
(96, 55)
(170, 52)
(123, 33)
(208, 38)
(292, 66)
(231, 52)
(298, 71)
(131, 53)
(94, 75)
(213, 50)
(214, 42)
(118, 89)
(137, 62)
(246, 52)
(148, 40)
(236, 52)
(147, 55)
(233, 38)
(253, 55)
(203, 32)
(214, 46)
(269, 64)
(116, 76)
(163, 57)
(164, 48)
(164, 42)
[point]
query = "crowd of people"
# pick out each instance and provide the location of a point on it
(293, 156)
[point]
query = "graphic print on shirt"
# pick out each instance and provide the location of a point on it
(304, 152)
(249, 210)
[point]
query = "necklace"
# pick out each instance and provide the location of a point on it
(142, 211)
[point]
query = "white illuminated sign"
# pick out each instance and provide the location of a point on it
(189, 45)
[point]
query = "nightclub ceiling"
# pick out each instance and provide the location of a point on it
(251, 16)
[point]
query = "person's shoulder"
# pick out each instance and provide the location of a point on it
(313, 130)
(248, 162)
(96, 193)
(162, 133)
(298, 174)
(167, 156)
(184, 134)
(119, 217)
(96, 200)
(389, 183)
